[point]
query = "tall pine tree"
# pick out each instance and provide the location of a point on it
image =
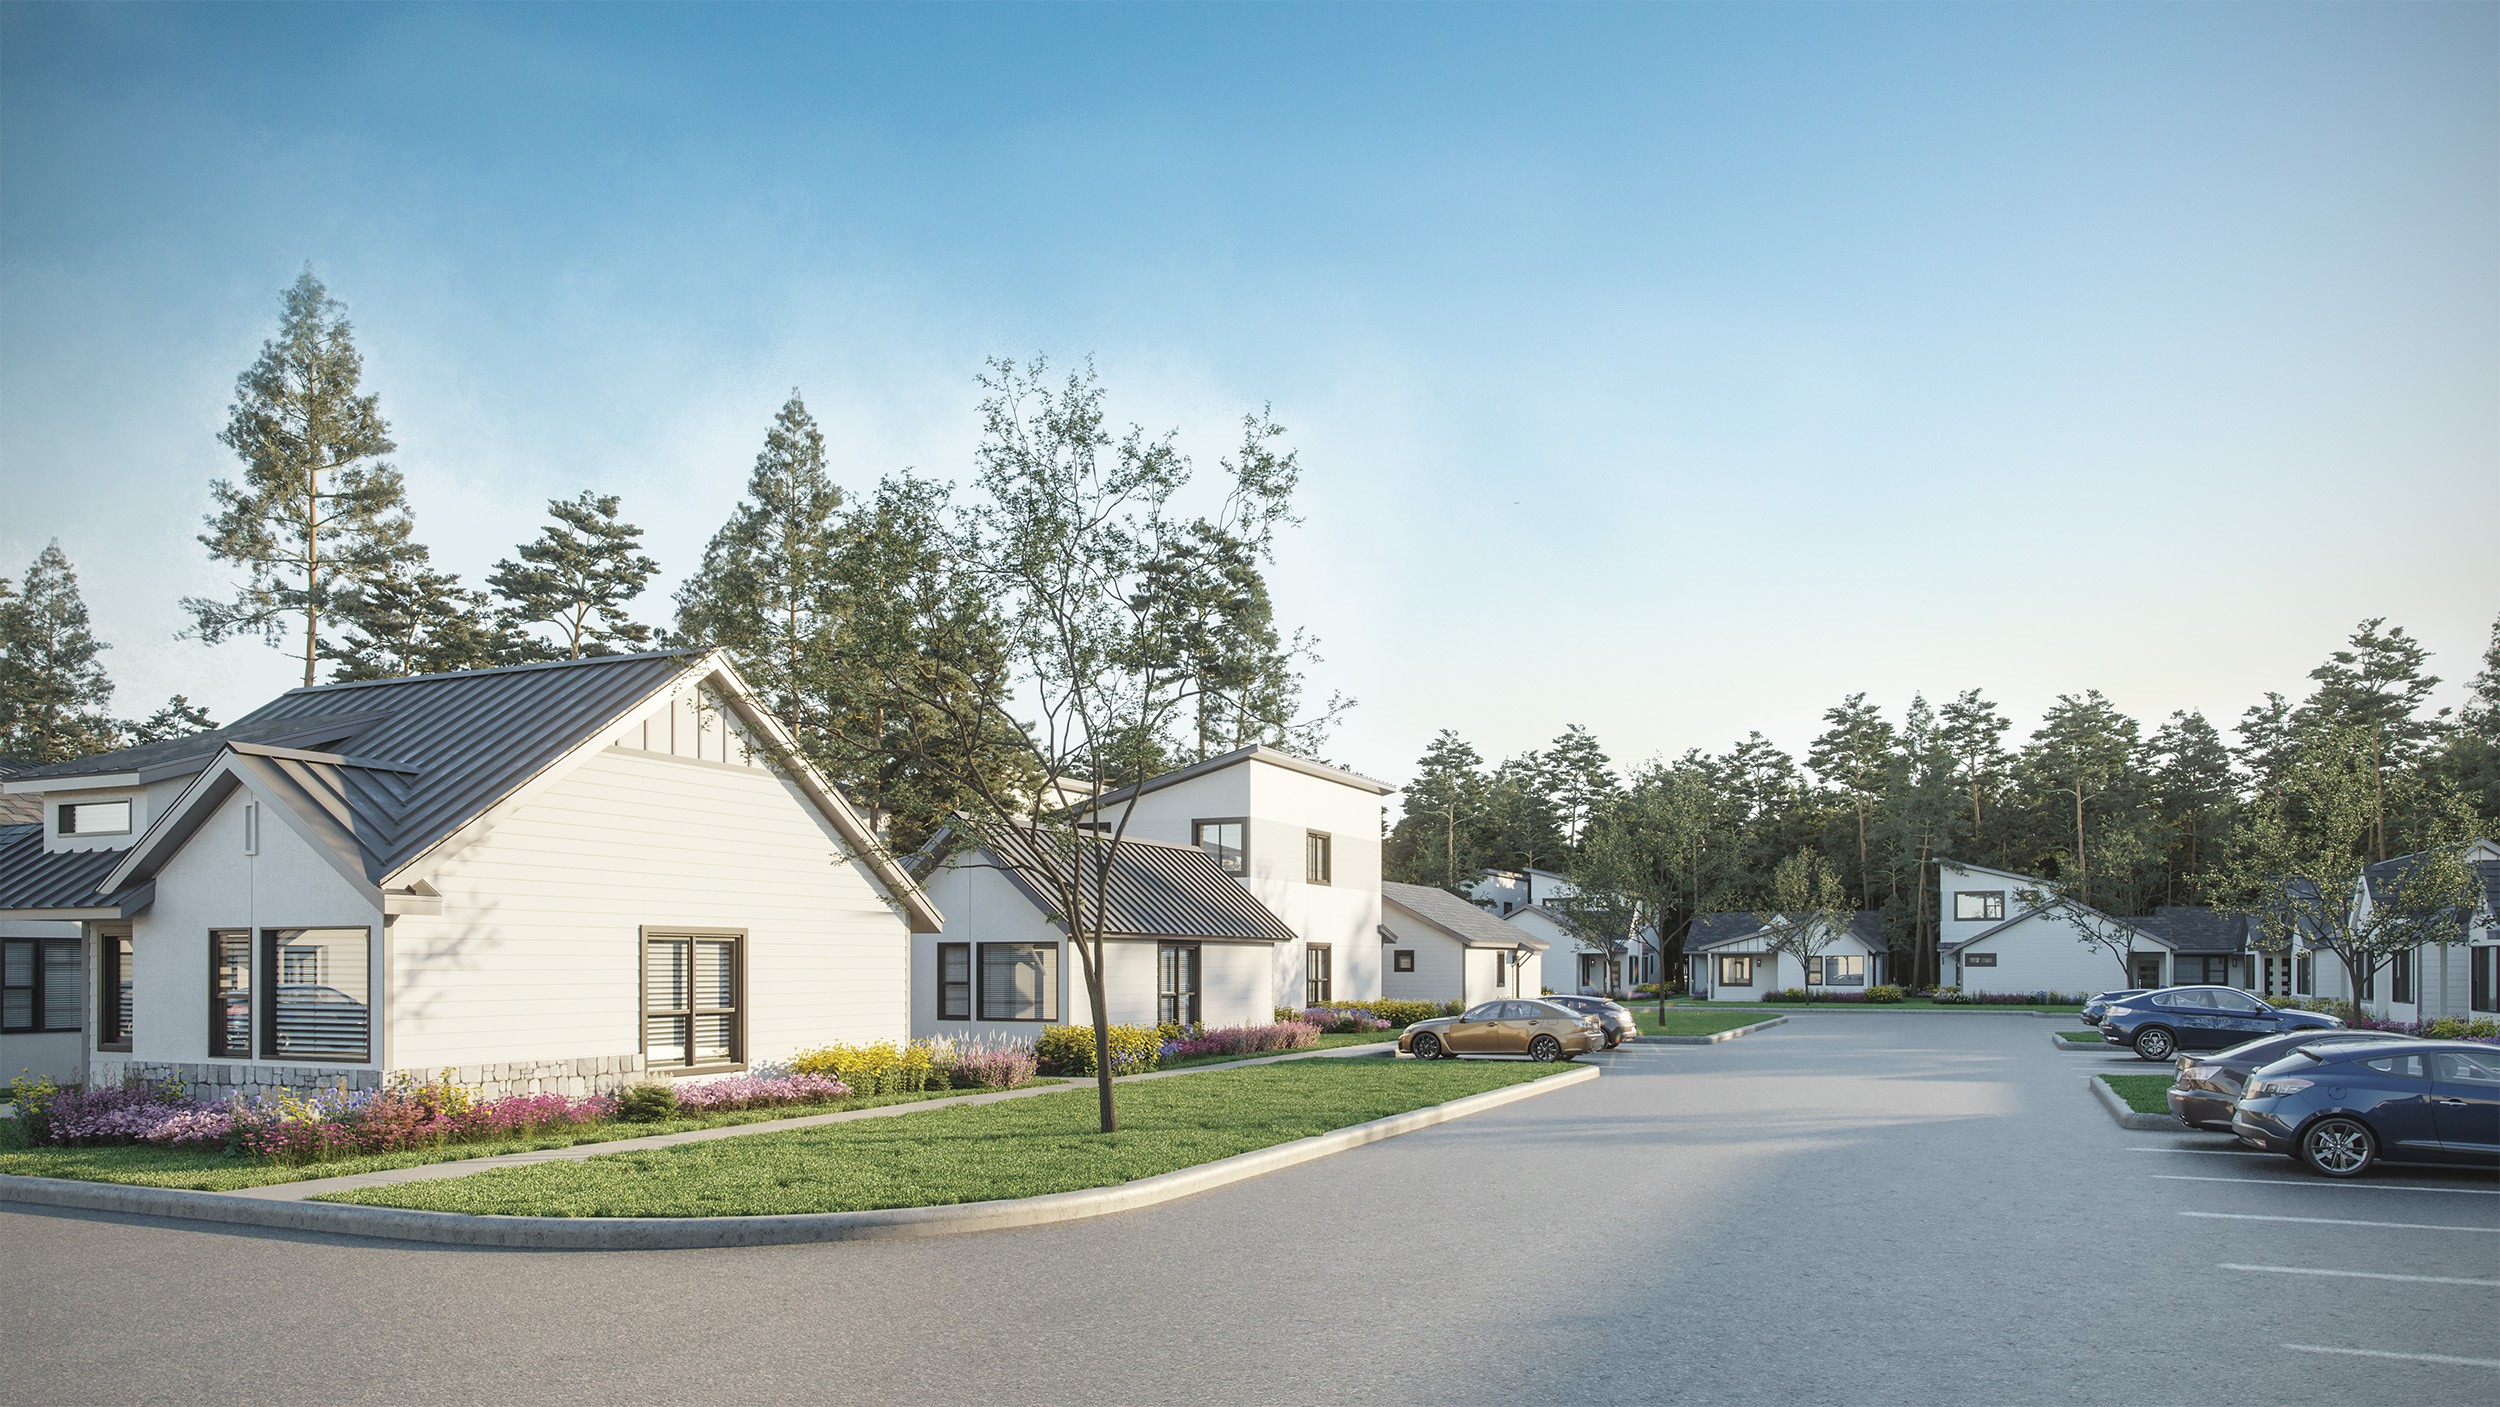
(53, 689)
(578, 577)
(315, 490)
(2375, 687)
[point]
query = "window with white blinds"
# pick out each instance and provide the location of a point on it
(691, 1014)
(316, 988)
(230, 994)
(41, 984)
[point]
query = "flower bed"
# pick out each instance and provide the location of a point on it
(2446, 1028)
(754, 1092)
(1244, 1040)
(1955, 996)
(1394, 1015)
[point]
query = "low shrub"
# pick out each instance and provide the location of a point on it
(1003, 1066)
(2445, 1028)
(879, 1067)
(1069, 1050)
(1343, 1020)
(646, 1103)
(1883, 992)
(1789, 994)
(758, 1092)
(1949, 996)
(32, 1095)
(1244, 1040)
(1399, 1014)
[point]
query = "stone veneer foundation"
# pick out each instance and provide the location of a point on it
(215, 1080)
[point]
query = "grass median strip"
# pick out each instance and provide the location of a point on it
(2145, 1094)
(941, 1157)
(1686, 1021)
(2093, 1036)
(211, 1171)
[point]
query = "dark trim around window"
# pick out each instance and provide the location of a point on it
(1736, 970)
(1234, 859)
(1045, 1010)
(695, 1007)
(1180, 979)
(1990, 905)
(1319, 973)
(114, 992)
(314, 1026)
(954, 994)
(32, 1001)
(1403, 959)
(1318, 857)
(229, 1005)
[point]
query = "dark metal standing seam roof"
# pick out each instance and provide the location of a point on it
(427, 755)
(1716, 930)
(33, 879)
(1456, 917)
(1155, 890)
(2191, 929)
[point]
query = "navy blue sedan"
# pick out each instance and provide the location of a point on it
(2342, 1108)
(2099, 1005)
(2158, 1025)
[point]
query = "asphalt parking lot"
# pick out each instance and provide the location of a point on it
(1854, 1208)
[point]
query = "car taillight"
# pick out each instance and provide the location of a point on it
(2269, 1089)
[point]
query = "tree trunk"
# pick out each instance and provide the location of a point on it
(1102, 1037)
(2083, 866)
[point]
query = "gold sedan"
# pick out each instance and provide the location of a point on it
(1538, 1030)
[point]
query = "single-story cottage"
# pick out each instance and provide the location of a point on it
(563, 876)
(1990, 940)
(2434, 980)
(1728, 957)
(1437, 947)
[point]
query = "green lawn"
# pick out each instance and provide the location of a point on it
(1018, 1148)
(2145, 1094)
(211, 1171)
(1695, 1021)
(2093, 1036)
(1325, 1043)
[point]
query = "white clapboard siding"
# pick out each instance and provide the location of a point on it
(535, 953)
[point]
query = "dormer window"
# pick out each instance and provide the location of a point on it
(1227, 840)
(95, 818)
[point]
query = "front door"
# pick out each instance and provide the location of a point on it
(1176, 996)
(2147, 968)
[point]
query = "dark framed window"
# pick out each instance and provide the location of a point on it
(693, 999)
(954, 981)
(115, 1016)
(1227, 839)
(1316, 859)
(1176, 984)
(1845, 970)
(2369, 984)
(1319, 974)
(2483, 966)
(1979, 960)
(2148, 970)
(42, 984)
(1736, 972)
(1979, 904)
(2213, 970)
(1501, 969)
(1403, 959)
(230, 994)
(1592, 969)
(2400, 978)
(1019, 982)
(316, 986)
(95, 818)
(2301, 980)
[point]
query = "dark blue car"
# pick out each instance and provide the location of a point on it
(2158, 1025)
(2341, 1108)
(2099, 1005)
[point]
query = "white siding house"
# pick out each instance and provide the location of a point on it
(1437, 947)
(1990, 940)
(1302, 836)
(2434, 980)
(1506, 892)
(563, 876)
(1728, 957)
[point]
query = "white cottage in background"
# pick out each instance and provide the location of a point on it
(1506, 892)
(1183, 942)
(1989, 940)
(1301, 836)
(1437, 947)
(1728, 957)
(561, 876)
(2460, 979)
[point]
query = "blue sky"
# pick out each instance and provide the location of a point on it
(1670, 370)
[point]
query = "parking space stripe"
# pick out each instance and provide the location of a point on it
(2362, 1275)
(2383, 1353)
(2339, 1221)
(2322, 1182)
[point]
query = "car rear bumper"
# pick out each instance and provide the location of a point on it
(2259, 1129)
(2204, 1108)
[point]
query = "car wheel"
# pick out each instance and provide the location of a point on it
(1427, 1046)
(2338, 1147)
(2155, 1043)
(1545, 1050)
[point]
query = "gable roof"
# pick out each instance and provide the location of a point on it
(62, 883)
(1256, 752)
(17, 809)
(1155, 889)
(2041, 910)
(1722, 930)
(407, 767)
(1455, 917)
(2189, 928)
(1977, 868)
(2388, 875)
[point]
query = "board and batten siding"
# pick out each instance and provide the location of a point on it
(536, 954)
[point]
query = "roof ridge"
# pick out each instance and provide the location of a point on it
(343, 685)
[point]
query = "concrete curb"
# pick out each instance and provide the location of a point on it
(683, 1233)
(2128, 1118)
(1713, 1038)
(2064, 1044)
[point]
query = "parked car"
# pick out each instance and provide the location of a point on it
(1539, 1030)
(1611, 1014)
(2099, 1004)
(2343, 1108)
(2159, 1024)
(2208, 1086)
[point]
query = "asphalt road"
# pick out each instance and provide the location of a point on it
(1845, 1209)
